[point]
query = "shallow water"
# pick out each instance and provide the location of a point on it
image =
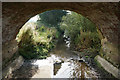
(62, 63)
(69, 65)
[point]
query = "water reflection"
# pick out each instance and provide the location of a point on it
(69, 65)
(62, 63)
(73, 69)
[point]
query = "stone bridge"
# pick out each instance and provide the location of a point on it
(106, 17)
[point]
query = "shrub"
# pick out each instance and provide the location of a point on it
(36, 46)
(83, 33)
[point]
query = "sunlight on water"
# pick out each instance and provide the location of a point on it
(42, 62)
(62, 63)
(65, 71)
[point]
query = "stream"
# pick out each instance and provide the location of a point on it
(61, 63)
(69, 65)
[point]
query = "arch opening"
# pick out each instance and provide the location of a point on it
(62, 24)
(59, 28)
(98, 16)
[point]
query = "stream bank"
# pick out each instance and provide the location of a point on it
(61, 63)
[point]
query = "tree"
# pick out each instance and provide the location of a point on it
(51, 18)
(71, 24)
(82, 32)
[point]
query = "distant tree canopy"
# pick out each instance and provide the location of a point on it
(82, 32)
(74, 23)
(51, 18)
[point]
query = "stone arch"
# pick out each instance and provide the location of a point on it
(104, 15)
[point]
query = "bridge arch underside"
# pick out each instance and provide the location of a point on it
(104, 15)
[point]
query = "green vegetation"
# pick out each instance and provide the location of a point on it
(36, 43)
(37, 39)
(82, 32)
(51, 18)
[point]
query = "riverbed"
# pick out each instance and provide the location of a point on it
(61, 63)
